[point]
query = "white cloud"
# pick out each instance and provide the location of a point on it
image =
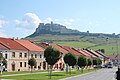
(2, 23)
(30, 21)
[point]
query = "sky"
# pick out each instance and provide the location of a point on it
(20, 18)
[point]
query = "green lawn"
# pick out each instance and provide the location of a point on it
(45, 76)
(92, 42)
(21, 72)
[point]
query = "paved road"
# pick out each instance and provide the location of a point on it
(104, 74)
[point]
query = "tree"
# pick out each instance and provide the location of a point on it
(89, 62)
(103, 51)
(51, 56)
(32, 62)
(99, 61)
(1, 58)
(4, 62)
(82, 62)
(94, 61)
(70, 59)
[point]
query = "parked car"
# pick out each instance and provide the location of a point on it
(98, 66)
(110, 65)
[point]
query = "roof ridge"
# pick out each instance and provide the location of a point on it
(22, 45)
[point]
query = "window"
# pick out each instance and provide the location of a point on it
(24, 64)
(40, 64)
(13, 54)
(20, 64)
(20, 55)
(31, 55)
(25, 55)
(5, 56)
(40, 56)
(35, 55)
(35, 66)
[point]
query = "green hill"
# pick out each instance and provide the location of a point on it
(56, 33)
(109, 44)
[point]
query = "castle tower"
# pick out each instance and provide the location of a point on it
(51, 22)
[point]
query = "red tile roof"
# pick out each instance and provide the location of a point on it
(30, 46)
(72, 50)
(94, 53)
(43, 45)
(11, 44)
(56, 46)
(2, 47)
(89, 53)
(60, 48)
(102, 54)
(84, 53)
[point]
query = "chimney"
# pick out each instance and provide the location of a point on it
(12, 38)
(51, 22)
(17, 38)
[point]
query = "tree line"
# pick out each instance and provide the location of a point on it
(52, 56)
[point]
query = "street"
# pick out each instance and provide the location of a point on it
(104, 74)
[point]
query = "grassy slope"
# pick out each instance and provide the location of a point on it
(95, 43)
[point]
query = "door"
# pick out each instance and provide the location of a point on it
(13, 67)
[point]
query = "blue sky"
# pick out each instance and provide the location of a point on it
(20, 18)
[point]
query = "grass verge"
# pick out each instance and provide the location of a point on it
(45, 76)
(22, 72)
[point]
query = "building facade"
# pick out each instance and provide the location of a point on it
(18, 52)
